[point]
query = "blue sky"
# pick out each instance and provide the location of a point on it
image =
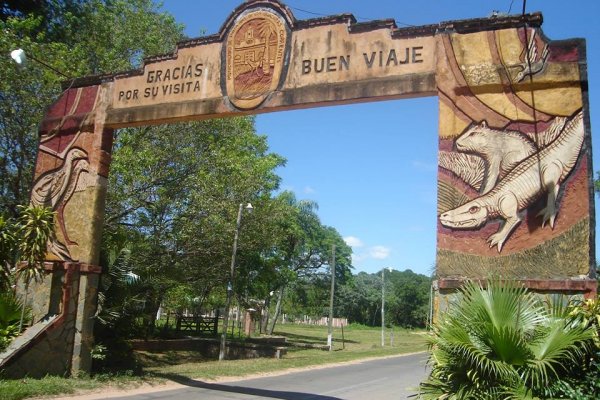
(371, 167)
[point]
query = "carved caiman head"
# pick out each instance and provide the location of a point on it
(470, 215)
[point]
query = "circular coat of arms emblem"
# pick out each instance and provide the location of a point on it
(255, 58)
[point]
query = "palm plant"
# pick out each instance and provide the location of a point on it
(35, 227)
(7, 242)
(10, 313)
(502, 342)
(118, 304)
(115, 297)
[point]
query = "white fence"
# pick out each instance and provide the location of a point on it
(323, 321)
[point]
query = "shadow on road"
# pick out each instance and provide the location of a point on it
(262, 393)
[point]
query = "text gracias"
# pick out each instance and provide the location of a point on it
(164, 84)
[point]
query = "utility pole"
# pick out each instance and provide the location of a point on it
(330, 328)
(382, 307)
(238, 222)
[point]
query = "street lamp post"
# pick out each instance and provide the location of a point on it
(223, 346)
(20, 58)
(383, 305)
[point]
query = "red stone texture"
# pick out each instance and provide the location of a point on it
(64, 104)
(559, 51)
(67, 116)
(72, 115)
(588, 287)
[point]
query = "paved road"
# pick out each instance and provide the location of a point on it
(388, 378)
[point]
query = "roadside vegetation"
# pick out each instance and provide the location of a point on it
(157, 368)
(22, 251)
(504, 342)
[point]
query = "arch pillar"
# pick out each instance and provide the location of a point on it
(70, 177)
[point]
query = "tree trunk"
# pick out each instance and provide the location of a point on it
(264, 320)
(151, 309)
(277, 309)
(375, 315)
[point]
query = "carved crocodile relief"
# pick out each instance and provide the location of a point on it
(540, 172)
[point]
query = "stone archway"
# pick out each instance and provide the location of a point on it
(515, 192)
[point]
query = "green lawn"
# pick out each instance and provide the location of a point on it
(359, 342)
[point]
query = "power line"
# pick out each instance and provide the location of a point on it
(358, 17)
(510, 7)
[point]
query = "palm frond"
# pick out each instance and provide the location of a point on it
(503, 342)
(10, 309)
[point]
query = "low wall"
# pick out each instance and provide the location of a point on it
(210, 348)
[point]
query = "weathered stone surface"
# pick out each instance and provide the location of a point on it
(493, 105)
(35, 353)
(324, 63)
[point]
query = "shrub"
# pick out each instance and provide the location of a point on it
(112, 353)
(10, 315)
(584, 382)
(503, 342)
(584, 386)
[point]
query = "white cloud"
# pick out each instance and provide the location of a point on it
(379, 252)
(309, 190)
(353, 241)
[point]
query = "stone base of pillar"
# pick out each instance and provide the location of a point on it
(59, 342)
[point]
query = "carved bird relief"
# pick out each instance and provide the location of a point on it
(532, 64)
(54, 189)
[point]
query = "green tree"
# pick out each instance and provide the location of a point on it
(7, 245)
(360, 299)
(23, 247)
(174, 191)
(35, 227)
(406, 299)
(23, 241)
(298, 256)
(408, 302)
(78, 38)
(22, 251)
